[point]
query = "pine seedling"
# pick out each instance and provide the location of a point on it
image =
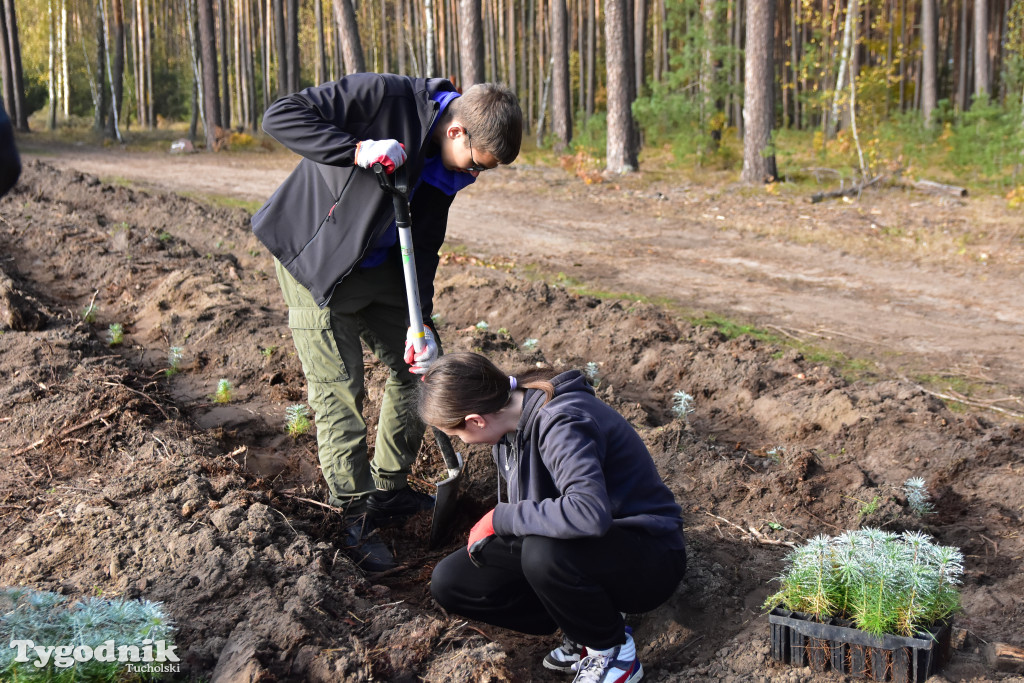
(883, 582)
(223, 393)
(918, 498)
(530, 344)
(48, 620)
(592, 372)
(89, 313)
(115, 334)
(174, 357)
(296, 420)
(682, 405)
(482, 325)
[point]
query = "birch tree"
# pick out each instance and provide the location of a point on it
(929, 58)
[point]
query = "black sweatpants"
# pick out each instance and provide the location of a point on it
(536, 584)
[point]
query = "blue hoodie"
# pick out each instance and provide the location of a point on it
(574, 467)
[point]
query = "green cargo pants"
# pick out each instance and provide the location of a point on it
(370, 305)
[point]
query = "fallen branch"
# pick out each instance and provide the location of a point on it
(939, 188)
(848, 192)
(966, 401)
(753, 533)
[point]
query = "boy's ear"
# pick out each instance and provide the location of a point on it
(455, 129)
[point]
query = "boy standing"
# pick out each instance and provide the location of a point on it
(332, 233)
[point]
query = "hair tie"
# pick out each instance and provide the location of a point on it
(512, 383)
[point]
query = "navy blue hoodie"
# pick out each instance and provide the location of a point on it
(574, 467)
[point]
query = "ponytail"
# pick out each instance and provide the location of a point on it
(463, 383)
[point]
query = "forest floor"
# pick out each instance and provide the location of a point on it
(117, 478)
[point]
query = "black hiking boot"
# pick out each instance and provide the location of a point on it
(386, 507)
(361, 543)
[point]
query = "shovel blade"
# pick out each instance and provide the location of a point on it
(445, 504)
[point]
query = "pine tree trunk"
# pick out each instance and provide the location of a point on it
(621, 146)
(293, 46)
(982, 85)
(639, 42)
(20, 113)
(321, 52)
(561, 102)
(116, 66)
(51, 71)
(591, 56)
(100, 114)
(225, 66)
(758, 89)
(210, 83)
(348, 34)
(471, 43)
(430, 63)
(280, 47)
(930, 47)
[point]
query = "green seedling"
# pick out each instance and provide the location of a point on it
(115, 334)
(268, 351)
(437, 320)
(74, 634)
(174, 357)
(165, 236)
(223, 393)
(868, 508)
(918, 498)
(592, 371)
(296, 420)
(89, 313)
(775, 453)
(884, 582)
(482, 325)
(530, 344)
(503, 331)
(682, 404)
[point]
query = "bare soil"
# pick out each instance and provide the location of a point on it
(116, 477)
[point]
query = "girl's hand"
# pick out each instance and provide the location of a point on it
(479, 536)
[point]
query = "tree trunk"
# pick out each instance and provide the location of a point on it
(116, 71)
(19, 115)
(471, 43)
(430, 62)
(844, 64)
(321, 52)
(981, 74)
(639, 43)
(225, 66)
(758, 88)
(210, 84)
(930, 47)
(591, 56)
(280, 46)
(51, 71)
(293, 46)
(621, 146)
(65, 73)
(707, 71)
(348, 34)
(561, 101)
(100, 115)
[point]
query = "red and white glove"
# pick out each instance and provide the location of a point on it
(420, 362)
(389, 153)
(479, 536)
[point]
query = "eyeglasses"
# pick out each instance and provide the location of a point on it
(475, 168)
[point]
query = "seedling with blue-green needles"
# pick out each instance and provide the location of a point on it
(296, 420)
(115, 334)
(223, 393)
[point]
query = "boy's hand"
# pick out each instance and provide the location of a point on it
(389, 153)
(420, 362)
(479, 536)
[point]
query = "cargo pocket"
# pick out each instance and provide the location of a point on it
(315, 344)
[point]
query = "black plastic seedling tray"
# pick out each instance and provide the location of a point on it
(800, 640)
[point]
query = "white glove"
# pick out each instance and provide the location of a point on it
(420, 362)
(389, 153)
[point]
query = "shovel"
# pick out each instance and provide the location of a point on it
(448, 490)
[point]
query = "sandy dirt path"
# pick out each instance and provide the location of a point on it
(780, 263)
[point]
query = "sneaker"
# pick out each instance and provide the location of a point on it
(391, 506)
(563, 658)
(361, 543)
(608, 669)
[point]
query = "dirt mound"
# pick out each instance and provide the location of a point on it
(120, 475)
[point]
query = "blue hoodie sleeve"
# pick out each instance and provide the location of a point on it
(573, 450)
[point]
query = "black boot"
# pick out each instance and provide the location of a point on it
(361, 543)
(384, 507)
